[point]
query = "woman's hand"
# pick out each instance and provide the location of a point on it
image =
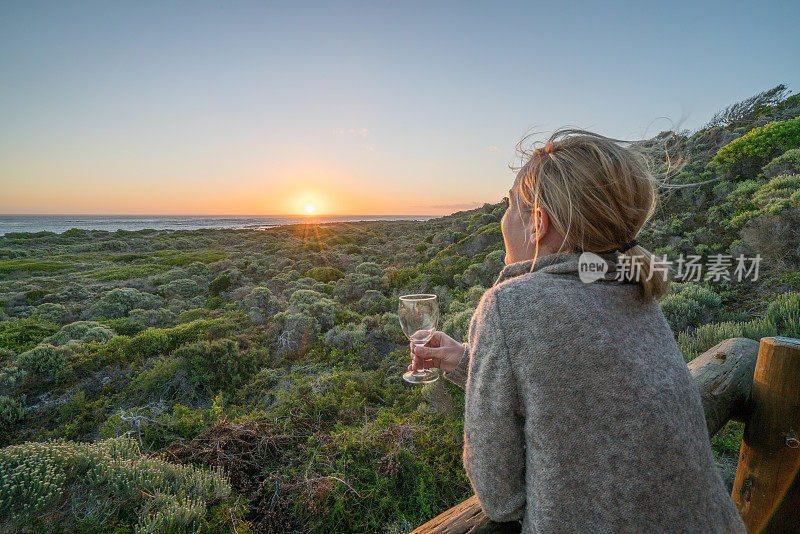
(442, 352)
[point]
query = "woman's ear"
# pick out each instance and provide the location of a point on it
(540, 225)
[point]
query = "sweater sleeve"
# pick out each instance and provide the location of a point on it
(494, 441)
(458, 376)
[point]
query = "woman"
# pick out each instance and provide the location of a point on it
(580, 413)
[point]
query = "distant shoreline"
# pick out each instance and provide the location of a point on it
(111, 223)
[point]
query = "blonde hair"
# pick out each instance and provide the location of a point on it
(598, 192)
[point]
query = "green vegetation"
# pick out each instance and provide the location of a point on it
(30, 266)
(249, 380)
(125, 273)
(202, 256)
(759, 145)
(86, 486)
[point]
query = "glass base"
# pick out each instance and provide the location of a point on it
(421, 376)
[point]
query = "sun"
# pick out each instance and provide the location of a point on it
(309, 209)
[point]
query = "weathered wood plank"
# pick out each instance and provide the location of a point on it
(466, 518)
(724, 377)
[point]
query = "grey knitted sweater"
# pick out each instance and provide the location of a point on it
(580, 413)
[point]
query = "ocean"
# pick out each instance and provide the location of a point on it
(112, 223)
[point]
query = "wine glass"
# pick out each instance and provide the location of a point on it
(419, 315)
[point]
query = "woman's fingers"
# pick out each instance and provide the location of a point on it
(419, 363)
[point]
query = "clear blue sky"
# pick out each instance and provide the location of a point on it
(359, 107)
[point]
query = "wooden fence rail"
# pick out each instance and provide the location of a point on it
(739, 379)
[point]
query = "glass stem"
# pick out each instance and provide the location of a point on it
(421, 370)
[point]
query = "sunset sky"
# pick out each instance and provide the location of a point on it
(373, 107)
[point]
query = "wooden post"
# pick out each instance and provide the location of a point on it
(767, 486)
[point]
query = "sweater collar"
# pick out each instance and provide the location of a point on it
(558, 263)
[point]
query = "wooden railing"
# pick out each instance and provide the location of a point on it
(739, 379)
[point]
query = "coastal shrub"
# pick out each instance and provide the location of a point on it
(150, 342)
(154, 426)
(157, 317)
(219, 284)
(457, 325)
(325, 274)
(32, 266)
(183, 287)
(202, 256)
(261, 298)
(34, 295)
(309, 315)
(751, 151)
(786, 163)
(50, 312)
(118, 302)
(11, 377)
(348, 338)
(81, 332)
(369, 268)
(781, 318)
(689, 304)
(12, 410)
(127, 272)
(213, 303)
(45, 360)
(354, 285)
(218, 364)
(158, 380)
(67, 482)
(22, 334)
(124, 326)
(371, 302)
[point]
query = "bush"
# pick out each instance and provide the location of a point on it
(31, 266)
(371, 302)
(754, 199)
(23, 334)
(153, 426)
(219, 284)
(151, 342)
(127, 272)
(158, 380)
(369, 268)
(213, 303)
(45, 360)
(325, 274)
(262, 299)
(12, 410)
(217, 365)
(348, 338)
(80, 331)
(782, 318)
(354, 285)
(689, 304)
(308, 316)
(183, 287)
(751, 151)
(158, 317)
(52, 313)
(457, 325)
(786, 163)
(65, 482)
(202, 256)
(11, 377)
(118, 302)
